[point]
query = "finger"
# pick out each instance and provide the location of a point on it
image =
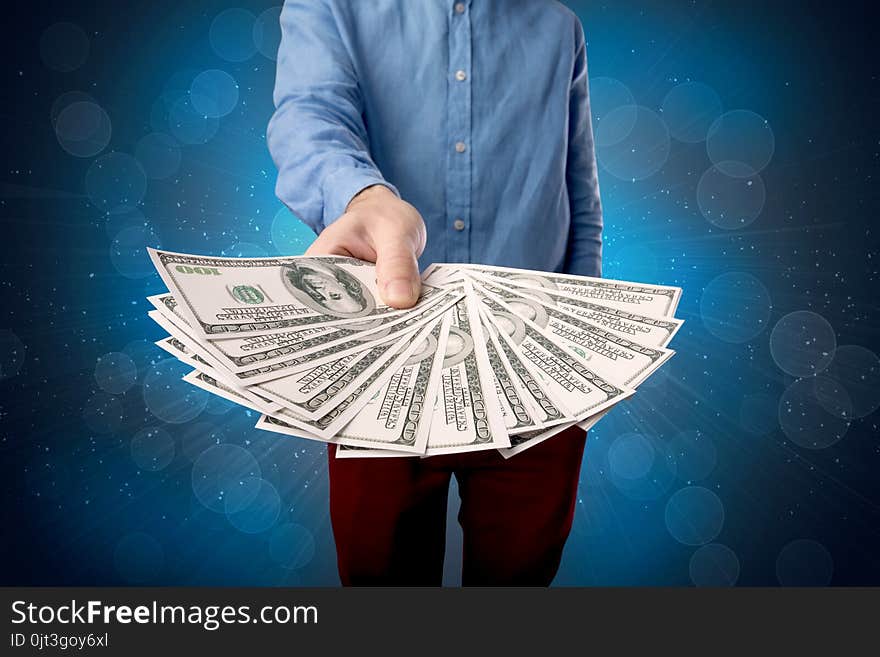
(397, 272)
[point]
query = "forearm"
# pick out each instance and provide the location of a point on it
(317, 137)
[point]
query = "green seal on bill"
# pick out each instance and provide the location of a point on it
(248, 294)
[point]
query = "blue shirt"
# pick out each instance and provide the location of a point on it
(475, 111)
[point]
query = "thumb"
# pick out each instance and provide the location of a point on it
(397, 271)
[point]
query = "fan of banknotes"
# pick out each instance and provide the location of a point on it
(489, 357)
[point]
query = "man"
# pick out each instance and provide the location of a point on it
(451, 131)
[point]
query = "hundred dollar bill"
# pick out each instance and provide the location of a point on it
(652, 331)
(314, 393)
(331, 351)
(398, 417)
(327, 426)
(571, 382)
(654, 300)
(619, 360)
(466, 415)
(311, 393)
(525, 405)
(224, 297)
(245, 353)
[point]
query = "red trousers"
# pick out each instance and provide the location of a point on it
(389, 514)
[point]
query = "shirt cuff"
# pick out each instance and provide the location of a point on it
(343, 185)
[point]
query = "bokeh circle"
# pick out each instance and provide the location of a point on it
(631, 456)
(83, 128)
(65, 100)
(641, 153)
(714, 565)
(115, 372)
(731, 201)
(152, 449)
(740, 136)
(232, 35)
(735, 307)
(214, 93)
(689, 109)
(607, 95)
(802, 343)
(267, 32)
(655, 482)
(694, 515)
(804, 562)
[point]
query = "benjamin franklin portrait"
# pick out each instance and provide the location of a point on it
(328, 289)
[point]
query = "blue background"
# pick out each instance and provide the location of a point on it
(735, 464)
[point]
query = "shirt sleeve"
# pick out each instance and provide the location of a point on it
(584, 256)
(317, 136)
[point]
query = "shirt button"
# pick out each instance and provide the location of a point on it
(459, 7)
(460, 147)
(461, 76)
(458, 224)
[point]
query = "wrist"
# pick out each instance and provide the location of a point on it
(373, 192)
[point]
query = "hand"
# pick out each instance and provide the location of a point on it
(379, 227)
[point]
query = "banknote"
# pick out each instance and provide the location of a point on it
(224, 297)
(327, 426)
(525, 404)
(274, 353)
(466, 415)
(311, 393)
(651, 300)
(489, 358)
(571, 383)
(651, 331)
(333, 350)
(398, 416)
(617, 359)
(314, 393)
